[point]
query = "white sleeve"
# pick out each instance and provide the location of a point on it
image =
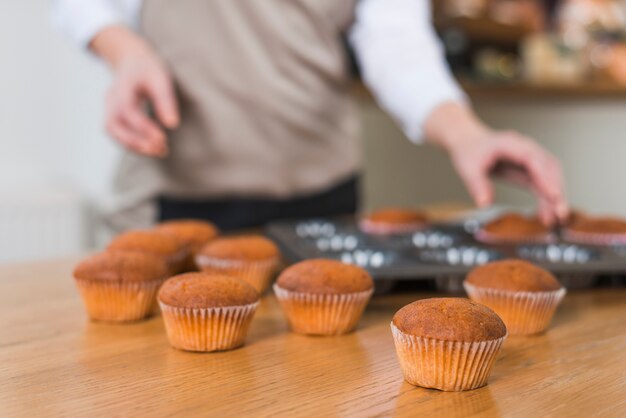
(81, 20)
(402, 61)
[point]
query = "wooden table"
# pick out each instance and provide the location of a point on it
(53, 362)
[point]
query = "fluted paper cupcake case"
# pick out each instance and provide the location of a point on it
(118, 301)
(322, 314)
(445, 365)
(488, 238)
(258, 274)
(523, 313)
(379, 228)
(593, 238)
(207, 329)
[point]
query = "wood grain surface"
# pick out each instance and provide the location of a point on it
(53, 362)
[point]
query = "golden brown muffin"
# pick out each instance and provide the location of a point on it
(513, 275)
(325, 276)
(525, 296)
(514, 227)
(397, 216)
(120, 286)
(574, 216)
(323, 297)
(204, 290)
(241, 248)
(206, 312)
(596, 230)
(598, 225)
(252, 258)
(195, 233)
(165, 246)
(112, 266)
(393, 220)
(447, 343)
(450, 319)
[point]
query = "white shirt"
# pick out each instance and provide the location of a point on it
(400, 57)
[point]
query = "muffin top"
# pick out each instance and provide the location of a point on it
(241, 248)
(131, 266)
(598, 225)
(450, 319)
(514, 275)
(192, 231)
(397, 216)
(575, 216)
(154, 242)
(205, 290)
(325, 276)
(516, 225)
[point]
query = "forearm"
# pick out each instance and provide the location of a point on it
(115, 43)
(402, 61)
(82, 20)
(452, 124)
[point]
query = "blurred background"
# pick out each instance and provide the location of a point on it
(555, 70)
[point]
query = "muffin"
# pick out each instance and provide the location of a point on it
(393, 221)
(120, 286)
(254, 259)
(596, 230)
(514, 228)
(575, 215)
(448, 344)
(165, 246)
(524, 295)
(194, 233)
(323, 297)
(207, 312)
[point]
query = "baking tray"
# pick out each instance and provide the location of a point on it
(443, 252)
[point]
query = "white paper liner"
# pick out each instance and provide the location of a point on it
(445, 365)
(489, 238)
(207, 329)
(118, 301)
(523, 313)
(593, 238)
(258, 274)
(322, 314)
(383, 228)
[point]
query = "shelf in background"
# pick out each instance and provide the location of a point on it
(521, 89)
(524, 90)
(485, 30)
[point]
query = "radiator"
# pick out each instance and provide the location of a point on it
(39, 224)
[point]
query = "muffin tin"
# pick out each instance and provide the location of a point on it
(443, 253)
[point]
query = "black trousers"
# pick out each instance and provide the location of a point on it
(232, 214)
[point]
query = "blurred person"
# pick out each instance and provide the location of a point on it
(251, 118)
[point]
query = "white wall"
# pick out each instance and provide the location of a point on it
(51, 107)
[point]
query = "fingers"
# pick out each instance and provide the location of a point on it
(544, 172)
(140, 123)
(533, 159)
(478, 184)
(130, 139)
(129, 125)
(160, 90)
(561, 207)
(545, 211)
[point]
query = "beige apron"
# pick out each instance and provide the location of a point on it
(262, 88)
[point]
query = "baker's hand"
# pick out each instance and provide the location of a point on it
(514, 158)
(140, 78)
(479, 153)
